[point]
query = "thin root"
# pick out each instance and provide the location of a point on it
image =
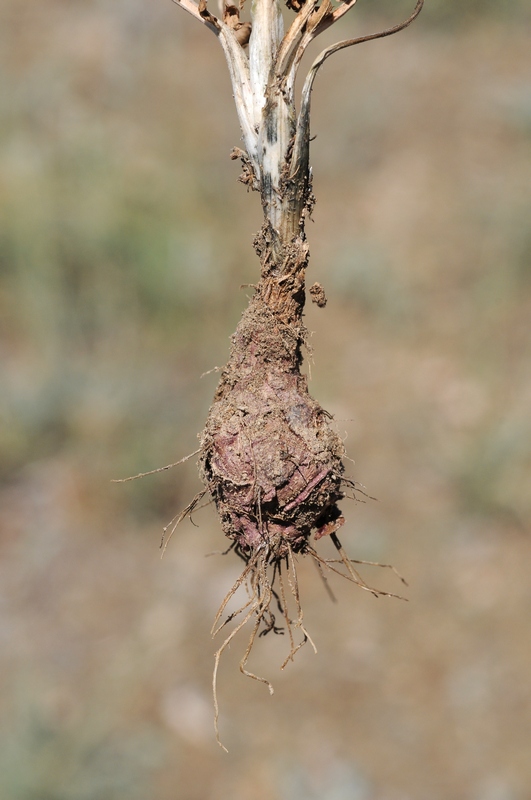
(232, 592)
(178, 519)
(263, 570)
(259, 602)
(324, 579)
(294, 586)
(154, 471)
(217, 657)
(260, 612)
(353, 575)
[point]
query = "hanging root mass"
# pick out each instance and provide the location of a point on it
(273, 465)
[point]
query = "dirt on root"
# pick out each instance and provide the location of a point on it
(269, 456)
(273, 465)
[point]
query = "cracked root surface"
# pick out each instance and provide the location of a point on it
(269, 456)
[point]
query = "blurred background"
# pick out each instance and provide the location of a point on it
(124, 241)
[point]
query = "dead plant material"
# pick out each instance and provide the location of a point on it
(273, 463)
(317, 293)
(269, 456)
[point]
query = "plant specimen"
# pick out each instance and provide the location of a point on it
(269, 456)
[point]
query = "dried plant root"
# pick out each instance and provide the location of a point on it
(177, 519)
(272, 463)
(155, 471)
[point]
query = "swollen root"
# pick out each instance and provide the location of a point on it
(272, 464)
(269, 456)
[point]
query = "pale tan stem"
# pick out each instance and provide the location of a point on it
(300, 149)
